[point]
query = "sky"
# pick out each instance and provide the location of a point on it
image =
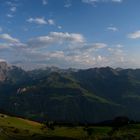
(70, 33)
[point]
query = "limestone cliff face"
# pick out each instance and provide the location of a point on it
(3, 70)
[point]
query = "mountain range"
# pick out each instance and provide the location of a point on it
(70, 95)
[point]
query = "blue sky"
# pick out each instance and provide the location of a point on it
(70, 33)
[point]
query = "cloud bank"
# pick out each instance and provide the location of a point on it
(60, 49)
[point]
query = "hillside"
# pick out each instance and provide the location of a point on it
(70, 95)
(15, 128)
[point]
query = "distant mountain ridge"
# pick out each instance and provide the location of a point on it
(89, 95)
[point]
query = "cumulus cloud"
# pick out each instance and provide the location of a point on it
(73, 37)
(41, 21)
(10, 15)
(55, 37)
(37, 20)
(119, 46)
(44, 2)
(117, 54)
(112, 28)
(12, 5)
(134, 35)
(59, 27)
(99, 45)
(51, 22)
(8, 38)
(13, 9)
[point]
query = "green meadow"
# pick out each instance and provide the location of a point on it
(14, 128)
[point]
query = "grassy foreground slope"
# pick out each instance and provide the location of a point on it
(17, 128)
(13, 128)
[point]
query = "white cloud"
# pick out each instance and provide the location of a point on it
(117, 0)
(38, 20)
(42, 41)
(88, 48)
(118, 58)
(44, 2)
(10, 15)
(90, 1)
(8, 38)
(100, 58)
(111, 28)
(56, 54)
(51, 22)
(59, 27)
(13, 9)
(55, 37)
(12, 3)
(119, 46)
(134, 35)
(99, 45)
(41, 21)
(4, 46)
(72, 37)
(96, 1)
(2, 60)
(116, 53)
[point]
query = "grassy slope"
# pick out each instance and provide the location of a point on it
(13, 128)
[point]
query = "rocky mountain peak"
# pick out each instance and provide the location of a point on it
(3, 70)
